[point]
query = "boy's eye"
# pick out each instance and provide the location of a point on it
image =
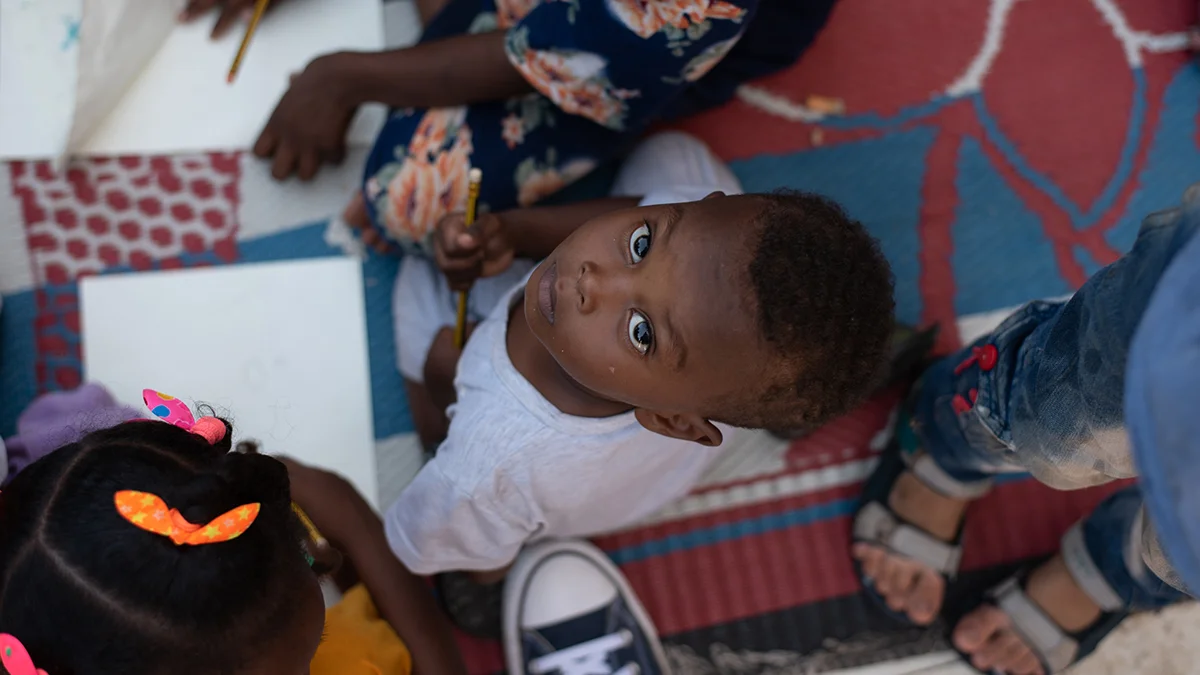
(640, 334)
(639, 243)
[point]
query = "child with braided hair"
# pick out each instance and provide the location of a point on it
(149, 547)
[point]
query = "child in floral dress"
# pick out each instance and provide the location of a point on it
(536, 93)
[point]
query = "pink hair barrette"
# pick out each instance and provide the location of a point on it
(15, 658)
(174, 411)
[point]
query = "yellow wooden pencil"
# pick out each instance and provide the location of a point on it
(474, 178)
(259, 8)
(313, 532)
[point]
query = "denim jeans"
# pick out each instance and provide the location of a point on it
(1043, 394)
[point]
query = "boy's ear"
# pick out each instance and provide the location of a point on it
(685, 427)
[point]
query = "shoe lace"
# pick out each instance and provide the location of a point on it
(587, 658)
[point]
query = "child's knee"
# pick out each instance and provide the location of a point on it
(676, 160)
(421, 306)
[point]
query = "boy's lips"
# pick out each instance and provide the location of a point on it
(547, 293)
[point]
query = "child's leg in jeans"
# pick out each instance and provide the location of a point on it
(1042, 393)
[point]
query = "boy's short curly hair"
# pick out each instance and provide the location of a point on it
(823, 296)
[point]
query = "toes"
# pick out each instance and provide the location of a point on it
(870, 559)
(999, 653)
(976, 628)
(883, 577)
(901, 579)
(925, 598)
(906, 585)
(1027, 665)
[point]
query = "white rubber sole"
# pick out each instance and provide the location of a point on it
(527, 564)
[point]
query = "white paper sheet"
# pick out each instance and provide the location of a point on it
(147, 85)
(39, 50)
(279, 347)
(116, 41)
(181, 102)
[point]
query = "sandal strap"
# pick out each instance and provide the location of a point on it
(1086, 572)
(935, 478)
(877, 524)
(1054, 647)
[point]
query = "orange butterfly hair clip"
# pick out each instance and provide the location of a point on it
(150, 513)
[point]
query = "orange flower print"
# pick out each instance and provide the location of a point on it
(429, 180)
(509, 12)
(723, 10)
(575, 82)
(536, 184)
(590, 100)
(412, 200)
(648, 17)
(431, 132)
(453, 166)
(548, 70)
(513, 130)
(640, 16)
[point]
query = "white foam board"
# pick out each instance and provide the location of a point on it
(280, 348)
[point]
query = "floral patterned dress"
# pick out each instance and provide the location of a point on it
(603, 71)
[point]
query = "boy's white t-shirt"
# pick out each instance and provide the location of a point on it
(513, 467)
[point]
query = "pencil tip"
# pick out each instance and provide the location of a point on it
(229, 78)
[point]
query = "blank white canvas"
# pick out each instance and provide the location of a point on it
(181, 102)
(280, 347)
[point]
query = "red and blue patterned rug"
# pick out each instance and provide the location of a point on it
(1001, 150)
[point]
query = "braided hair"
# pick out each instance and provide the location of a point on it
(88, 593)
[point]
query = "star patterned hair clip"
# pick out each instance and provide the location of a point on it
(150, 513)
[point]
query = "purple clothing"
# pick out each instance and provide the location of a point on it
(60, 418)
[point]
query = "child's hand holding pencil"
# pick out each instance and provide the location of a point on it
(466, 254)
(468, 249)
(475, 177)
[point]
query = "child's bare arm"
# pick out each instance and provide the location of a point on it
(308, 126)
(457, 70)
(403, 599)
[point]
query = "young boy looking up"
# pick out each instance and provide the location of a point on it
(600, 384)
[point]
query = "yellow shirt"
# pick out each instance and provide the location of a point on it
(359, 642)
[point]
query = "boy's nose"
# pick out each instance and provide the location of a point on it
(599, 286)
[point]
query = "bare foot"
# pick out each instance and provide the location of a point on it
(909, 586)
(357, 218)
(987, 634)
